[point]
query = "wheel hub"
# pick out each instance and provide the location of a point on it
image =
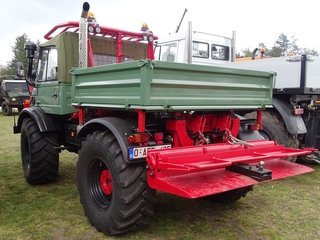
(106, 182)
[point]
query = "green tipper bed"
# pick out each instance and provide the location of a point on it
(157, 86)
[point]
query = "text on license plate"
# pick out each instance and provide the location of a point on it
(141, 152)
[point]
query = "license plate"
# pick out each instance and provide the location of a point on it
(141, 152)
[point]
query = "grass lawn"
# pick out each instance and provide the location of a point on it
(283, 209)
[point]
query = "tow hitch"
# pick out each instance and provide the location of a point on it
(256, 172)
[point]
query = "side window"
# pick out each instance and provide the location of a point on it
(219, 52)
(167, 52)
(200, 49)
(48, 65)
(42, 65)
(157, 51)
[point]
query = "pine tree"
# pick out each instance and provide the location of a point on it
(19, 54)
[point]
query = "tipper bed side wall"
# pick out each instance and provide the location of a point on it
(156, 85)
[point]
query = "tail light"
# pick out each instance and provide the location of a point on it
(298, 111)
(139, 138)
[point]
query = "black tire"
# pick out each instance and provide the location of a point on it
(40, 161)
(6, 109)
(230, 196)
(274, 129)
(115, 195)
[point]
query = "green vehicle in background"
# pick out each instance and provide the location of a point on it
(13, 93)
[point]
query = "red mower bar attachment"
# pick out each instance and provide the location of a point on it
(200, 171)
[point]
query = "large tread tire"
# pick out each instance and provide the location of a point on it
(230, 196)
(6, 109)
(115, 195)
(40, 161)
(274, 129)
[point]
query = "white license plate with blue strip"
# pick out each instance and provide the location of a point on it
(141, 152)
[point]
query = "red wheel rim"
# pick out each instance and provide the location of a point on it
(106, 182)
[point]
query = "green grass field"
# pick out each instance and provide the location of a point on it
(283, 209)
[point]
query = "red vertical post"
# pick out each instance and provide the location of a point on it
(141, 120)
(119, 47)
(150, 51)
(81, 116)
(90, 54)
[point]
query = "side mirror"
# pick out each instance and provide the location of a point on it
(20, 70)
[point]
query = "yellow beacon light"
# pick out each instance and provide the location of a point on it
(91, 15)
(144, 27)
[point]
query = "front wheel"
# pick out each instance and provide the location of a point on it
(40, 161)
(6, 109)
(115, 195)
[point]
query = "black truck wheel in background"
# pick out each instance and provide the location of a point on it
(274, 129)
(40, 161)
(115, 195)
(6, 109)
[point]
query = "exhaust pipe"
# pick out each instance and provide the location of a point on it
(83, 36)
(85, 10)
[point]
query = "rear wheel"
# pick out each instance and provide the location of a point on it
(115, 195)
(274, 129)
(230, 196)
(6, 109)
(40, 161)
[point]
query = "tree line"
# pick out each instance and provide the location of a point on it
(283, 46)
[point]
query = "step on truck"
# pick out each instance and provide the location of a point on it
(139, 125)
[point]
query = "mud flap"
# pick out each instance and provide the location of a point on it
(199, 171)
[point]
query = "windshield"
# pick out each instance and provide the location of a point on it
(16, 89)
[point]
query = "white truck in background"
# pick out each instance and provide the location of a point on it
(295, 117)
(196, 47)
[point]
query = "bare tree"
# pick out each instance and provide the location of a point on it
(308, 51)
(293, 47)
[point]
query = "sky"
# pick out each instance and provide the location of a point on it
(254, 21)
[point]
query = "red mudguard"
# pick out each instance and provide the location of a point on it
(199, 171)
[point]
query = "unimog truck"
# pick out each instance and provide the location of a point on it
(139, 125)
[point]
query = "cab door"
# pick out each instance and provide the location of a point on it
(46, 93)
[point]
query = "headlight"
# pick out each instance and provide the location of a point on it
(90, 29)
(13, 99)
